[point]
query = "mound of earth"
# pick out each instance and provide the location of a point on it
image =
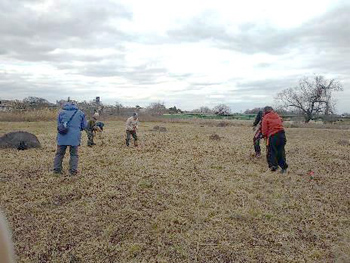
(20, 140)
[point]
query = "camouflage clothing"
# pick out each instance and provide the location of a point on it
(90, 132)
(128, 137)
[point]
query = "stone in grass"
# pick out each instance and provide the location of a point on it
(19, 140)
(214, 137)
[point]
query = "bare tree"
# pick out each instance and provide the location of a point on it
(312, 97)
(205, 110)
(222, 109)
(156, 108)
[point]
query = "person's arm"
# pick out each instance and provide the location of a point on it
(257, 119)
(128, 125)
(83, 124)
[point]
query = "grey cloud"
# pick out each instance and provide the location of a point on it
(330, 31)
(27, 35)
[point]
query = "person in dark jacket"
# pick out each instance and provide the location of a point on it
(72, 138)
(258, 134)
(273, 130)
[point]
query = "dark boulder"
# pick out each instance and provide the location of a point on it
(19, 140)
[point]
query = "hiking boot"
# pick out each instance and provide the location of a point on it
(273, 169)
(73, 173)
(57, 172)
(283, 171)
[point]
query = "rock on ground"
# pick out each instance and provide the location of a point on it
(20, 140)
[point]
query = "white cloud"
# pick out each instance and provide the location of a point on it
(185, 53)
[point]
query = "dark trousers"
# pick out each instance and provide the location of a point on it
(73, 161)
(276, 155)
(128, 137)
(256, 142)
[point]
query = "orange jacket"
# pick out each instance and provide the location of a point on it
(271, 124)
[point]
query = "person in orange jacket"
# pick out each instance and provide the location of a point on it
(272, 129)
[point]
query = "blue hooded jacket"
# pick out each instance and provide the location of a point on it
(75, 126)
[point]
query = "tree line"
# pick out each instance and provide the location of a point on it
(312, 98)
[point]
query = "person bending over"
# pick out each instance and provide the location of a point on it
(273, 130)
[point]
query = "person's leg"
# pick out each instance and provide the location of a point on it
(57, 164)
(74, 159)
(90, 136)
(281, 156)
(134, 135)
(272, 155)
(128, 134)
(256, 141)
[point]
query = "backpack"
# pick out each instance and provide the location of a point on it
(62, 127)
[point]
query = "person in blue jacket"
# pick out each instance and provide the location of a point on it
(72, 138)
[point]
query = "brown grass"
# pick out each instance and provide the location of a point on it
(179, 197)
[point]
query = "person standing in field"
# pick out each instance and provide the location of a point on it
(91, 126)
(272, 129)
(258, 134)
(76, 122)
(6, 247)
(131, 129)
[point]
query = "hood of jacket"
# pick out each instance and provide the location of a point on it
(70, 106)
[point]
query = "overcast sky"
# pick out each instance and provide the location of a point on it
(186, 53)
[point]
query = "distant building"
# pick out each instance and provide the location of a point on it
(5, 105)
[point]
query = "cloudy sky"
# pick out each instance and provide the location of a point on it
(187, 53)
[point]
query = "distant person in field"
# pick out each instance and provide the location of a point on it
(90, 128)
(272, 129)
(77, 122)
(131, 129)
(6, 247)
(258, 134)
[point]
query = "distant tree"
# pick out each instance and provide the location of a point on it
(312, 97)
(253, 111)
(36, 102)
(205, 110)
(174, 110)
(156, 108)
(222, 109)
(19, 105)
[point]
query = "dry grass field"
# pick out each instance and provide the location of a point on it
(179, 197)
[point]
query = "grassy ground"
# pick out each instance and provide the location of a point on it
(179, 197)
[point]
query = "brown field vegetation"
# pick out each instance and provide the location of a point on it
(180, 197)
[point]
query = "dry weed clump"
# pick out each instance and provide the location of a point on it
(214, 137)
(178, 197)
